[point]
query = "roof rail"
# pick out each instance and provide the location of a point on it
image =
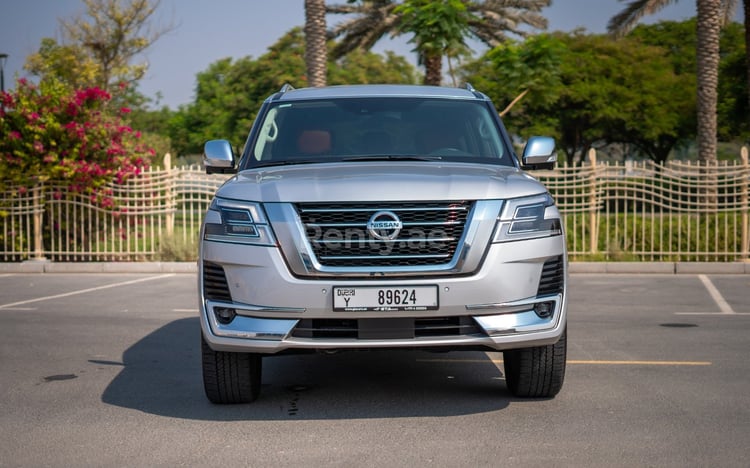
(471, 89)
(286, 87)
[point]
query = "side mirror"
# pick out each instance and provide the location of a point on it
(539, 153)
(218, 157)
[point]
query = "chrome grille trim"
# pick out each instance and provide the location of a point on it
(303, 260)
(391, 257)
(303, 209)
(340, 238)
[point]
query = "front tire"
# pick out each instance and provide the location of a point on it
(230, 378)
(536, 372)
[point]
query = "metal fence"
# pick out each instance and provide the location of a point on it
(636, 211)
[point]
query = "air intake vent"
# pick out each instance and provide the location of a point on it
(553, 279)
(215, 285)
(387, 328)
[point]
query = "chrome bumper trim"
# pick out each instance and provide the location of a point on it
(517, 317)
(247, 327)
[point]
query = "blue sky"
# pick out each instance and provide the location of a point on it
(208, 30)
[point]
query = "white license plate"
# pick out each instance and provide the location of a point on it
(388, 298)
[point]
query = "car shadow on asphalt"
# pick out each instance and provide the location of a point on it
(161, 375)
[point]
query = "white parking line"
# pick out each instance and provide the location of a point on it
(82, 291)
(716, 295)
(715, 314)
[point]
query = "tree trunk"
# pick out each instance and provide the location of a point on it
(316, 54)
(709, 28)
(433, 65)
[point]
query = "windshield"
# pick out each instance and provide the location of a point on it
(354, 129)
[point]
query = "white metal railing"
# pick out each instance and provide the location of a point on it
(679, 211)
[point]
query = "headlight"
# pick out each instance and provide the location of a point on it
(528, 218)
(237, 222)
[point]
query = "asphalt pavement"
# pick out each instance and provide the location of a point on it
(103, 369)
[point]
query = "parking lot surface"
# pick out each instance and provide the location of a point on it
(104, 370)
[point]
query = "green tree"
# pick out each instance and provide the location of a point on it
(586, 92)
(679, 39)
(230, 92)
(733, 107)
(711, 15)
(370, 68)
(97, 49)
(439, 28)
(64, 63)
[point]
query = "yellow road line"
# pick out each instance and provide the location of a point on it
(644, 363)
(585, 362)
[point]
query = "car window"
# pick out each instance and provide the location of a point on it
(360, 127)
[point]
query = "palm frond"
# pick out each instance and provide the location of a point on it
(728, 8)
(624, 21)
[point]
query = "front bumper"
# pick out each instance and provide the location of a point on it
(497, 302)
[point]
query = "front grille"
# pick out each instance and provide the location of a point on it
(339, 236)
(553, 278)
(215, 285)
(386, 328)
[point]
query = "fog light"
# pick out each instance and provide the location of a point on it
(544, 309)
(224, 315)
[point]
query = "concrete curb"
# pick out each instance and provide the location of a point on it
(36, 266)
(660, 268)
(645, 268)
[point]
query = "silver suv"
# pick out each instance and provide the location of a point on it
(381, 216)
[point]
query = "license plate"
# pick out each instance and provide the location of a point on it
(388, 298)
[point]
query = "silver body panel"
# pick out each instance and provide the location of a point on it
(495, 284)
(379, 182)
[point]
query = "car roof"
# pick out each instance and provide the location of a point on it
(379, 90)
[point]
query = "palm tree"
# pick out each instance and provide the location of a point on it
(438, 28)
(711, 16)
(316, 53)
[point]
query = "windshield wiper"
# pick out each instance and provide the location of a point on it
(392, 157)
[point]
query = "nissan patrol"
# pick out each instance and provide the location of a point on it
(381, 216)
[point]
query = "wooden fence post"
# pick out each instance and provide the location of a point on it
(593, 208)
(170, 195)
(38, 214)
(744, 203)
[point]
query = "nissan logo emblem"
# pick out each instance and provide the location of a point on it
(384, 225)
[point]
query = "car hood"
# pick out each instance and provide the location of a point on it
(380, 181)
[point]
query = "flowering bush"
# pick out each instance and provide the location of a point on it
(48, 133)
